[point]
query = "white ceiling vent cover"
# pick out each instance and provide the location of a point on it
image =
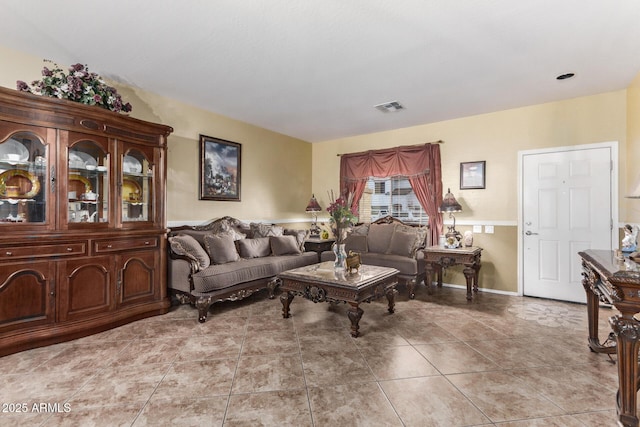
(389, 107)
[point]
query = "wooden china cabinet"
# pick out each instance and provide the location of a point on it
(82, 220)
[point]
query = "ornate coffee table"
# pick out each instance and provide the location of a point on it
(321, 283)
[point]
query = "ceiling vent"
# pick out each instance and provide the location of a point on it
(389, 107)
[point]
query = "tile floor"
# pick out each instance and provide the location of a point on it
(438, 361)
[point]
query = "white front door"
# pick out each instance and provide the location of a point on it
(566, 208)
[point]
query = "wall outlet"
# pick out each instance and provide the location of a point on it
(477, 229)
(488, 229)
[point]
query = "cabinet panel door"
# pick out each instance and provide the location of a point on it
(140, 189)
(138, 272)
(26, 184)
(26, 295)
(86, 287)
(87, 182)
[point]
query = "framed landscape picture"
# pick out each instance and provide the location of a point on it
(472, 175)
(220, 163)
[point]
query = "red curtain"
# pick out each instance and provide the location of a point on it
(419, 163)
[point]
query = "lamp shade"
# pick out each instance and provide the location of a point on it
(449, 203)
(313, 205)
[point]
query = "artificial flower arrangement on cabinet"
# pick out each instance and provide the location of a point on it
(79, 85)
(341, 219)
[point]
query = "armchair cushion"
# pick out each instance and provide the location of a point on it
(402, 243)
(379, 237)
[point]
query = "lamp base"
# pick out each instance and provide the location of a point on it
(453, 238)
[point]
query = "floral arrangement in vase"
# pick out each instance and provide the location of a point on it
(78, 85)
(341, 217)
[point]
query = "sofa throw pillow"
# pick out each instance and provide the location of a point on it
(221, 248)
(356, 243)
(254, 248)
(284, 245)
(420, 234)
(265, 230)
(379, 237)
(402, 243)
(186, 245)
(300, 235)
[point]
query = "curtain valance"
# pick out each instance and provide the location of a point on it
(419, 163)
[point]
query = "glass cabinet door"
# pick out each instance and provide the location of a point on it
(88, 183)
(23, 179)
(137, 187)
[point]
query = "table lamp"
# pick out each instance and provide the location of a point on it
(451, 205)
(313, 208)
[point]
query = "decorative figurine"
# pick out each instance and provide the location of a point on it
(353, 262)
(630, 240)
(467, 239)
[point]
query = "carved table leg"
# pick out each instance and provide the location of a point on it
(476, 268)
(593, 311)
(355, 314)
(285, 299)
(627, 332)
(428, 281)
(469, 274)
(439, 271)
(391, 297)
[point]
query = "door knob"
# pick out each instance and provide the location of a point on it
(528, 233)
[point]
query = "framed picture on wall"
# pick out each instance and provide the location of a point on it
(472, 175)
(220, 166)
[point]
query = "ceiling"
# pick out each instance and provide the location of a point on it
(315, 69)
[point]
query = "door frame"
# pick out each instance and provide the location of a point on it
(613, 145)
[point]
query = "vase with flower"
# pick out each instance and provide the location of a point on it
(341, 219)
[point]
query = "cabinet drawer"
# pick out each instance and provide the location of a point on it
(105, 246)
(43, 250)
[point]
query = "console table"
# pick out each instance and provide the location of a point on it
(617, 282)
(436, 258)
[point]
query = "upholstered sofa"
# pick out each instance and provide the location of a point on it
(388, 242)
(228, 259)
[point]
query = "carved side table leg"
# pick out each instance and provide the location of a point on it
(428, 281)
(627, 332)
(391, 297)
(439, 271)
(476, 268)
(285, 299)
(355, 314)
(469, 274)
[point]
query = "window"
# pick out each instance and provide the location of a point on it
(391, 196)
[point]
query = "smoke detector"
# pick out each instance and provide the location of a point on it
(389, 107)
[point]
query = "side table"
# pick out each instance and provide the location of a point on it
(315, 244)
(436, 258)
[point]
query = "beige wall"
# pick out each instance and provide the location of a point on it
(276, 186)
(496, 138)
(276, 169)
(633, 151)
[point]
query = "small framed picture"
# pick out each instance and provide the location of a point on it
(472, 175)
(219, 169)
